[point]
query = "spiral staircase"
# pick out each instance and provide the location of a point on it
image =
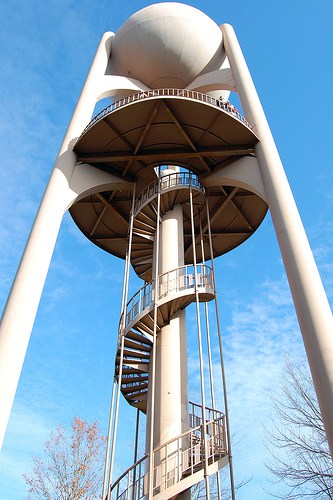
(179, 463)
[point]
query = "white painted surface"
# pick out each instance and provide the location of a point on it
(171, 401)
(244, 173)
(167, 45)
(171, 383)
(214, 81)
(115, 85)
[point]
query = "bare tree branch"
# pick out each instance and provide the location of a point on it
(300, 457)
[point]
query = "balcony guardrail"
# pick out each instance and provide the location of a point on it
(174, 460)
(185, 454)
(133, 483)
(177, 280)
(187, 94)
(195, 414)
(166, 182)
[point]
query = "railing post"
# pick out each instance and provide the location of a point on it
(136, 489)
(128, 484)
(166, 468)
(179, 461)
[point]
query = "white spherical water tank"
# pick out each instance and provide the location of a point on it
(167, 45)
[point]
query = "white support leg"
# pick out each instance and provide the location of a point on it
(311, 304)
(20, 310)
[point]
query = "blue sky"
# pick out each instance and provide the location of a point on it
(46, 51)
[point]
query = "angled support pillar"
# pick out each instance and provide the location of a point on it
(311, 304)
(22, 304)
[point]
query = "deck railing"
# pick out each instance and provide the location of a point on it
(195, 414)
(167, 182)
(174, 460)
(187, 94)
(185, 455)
(177, 280)
(132, 484)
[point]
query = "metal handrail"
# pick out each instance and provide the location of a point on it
(179, 279)
(184, 434)
(186, 453)
(117, 483)
(170, 460)
(187, 94)
(166, 182)
(195, 417)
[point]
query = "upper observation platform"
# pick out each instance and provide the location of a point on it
(132, 136)
(235, 213)
(165, 126)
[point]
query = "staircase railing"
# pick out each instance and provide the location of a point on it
(195, 414)
(177, 280)
(169, 181)
(174, 461)
(184, 455)
(133, 483)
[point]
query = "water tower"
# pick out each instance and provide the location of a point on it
(168, 177)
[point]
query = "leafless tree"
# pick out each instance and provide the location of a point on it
(300, 457)
(72, 465)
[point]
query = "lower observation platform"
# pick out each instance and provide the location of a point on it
(133, 136)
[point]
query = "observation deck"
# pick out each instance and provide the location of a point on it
(179, 127)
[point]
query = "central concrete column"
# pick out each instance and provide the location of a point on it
(171, 392)
(171, 395)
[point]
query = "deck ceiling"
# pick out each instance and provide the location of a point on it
(133, 139)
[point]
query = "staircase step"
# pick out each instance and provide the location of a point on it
(143, 258)
(141, 244)
(142, 396)
(134, 354)
(139, 366)
(146, 215)
(126, 369)
(137, 346)
(134, 389)
(143, 234)
(140, 337)
(139, 378)
(132, 361)
(140, 405)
